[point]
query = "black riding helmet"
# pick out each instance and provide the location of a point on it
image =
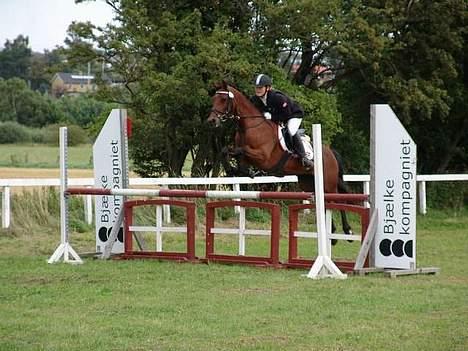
(262, 80)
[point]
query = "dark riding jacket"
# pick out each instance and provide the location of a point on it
(281, 107)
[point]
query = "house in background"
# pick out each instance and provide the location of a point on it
(72, 84)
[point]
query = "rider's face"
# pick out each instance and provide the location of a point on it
(260, 91)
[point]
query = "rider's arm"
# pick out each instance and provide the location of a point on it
(280, 107)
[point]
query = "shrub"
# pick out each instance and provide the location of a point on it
(453, 195)
(76, 135)
(12, 132)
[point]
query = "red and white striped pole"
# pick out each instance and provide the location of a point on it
(272, 195)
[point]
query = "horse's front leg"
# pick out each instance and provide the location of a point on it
(241, 168)
(237, 152)
(227, 161)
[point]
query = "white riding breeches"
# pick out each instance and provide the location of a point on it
(293, 125)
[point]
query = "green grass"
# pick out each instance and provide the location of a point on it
(152, 305)
(44, 156)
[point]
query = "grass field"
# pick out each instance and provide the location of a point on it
(44, 156)
(41, 157)
(152, 305)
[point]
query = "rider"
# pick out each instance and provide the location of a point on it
(278, 107)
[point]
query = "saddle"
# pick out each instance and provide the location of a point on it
(286, 142)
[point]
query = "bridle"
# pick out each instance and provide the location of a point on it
(228, 113)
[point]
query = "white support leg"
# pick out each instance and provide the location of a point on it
(64, 250)
(323, 266)
(367, 242)
(328, 222)
(113, 236)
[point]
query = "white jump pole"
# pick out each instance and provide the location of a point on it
(323, 266)
(64, 250)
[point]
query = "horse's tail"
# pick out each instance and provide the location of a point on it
(342, 187)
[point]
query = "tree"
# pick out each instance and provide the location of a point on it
(15, 59)
(20, 104)
(43, 66)
(82, 110)
(412, 55)
(168, 54)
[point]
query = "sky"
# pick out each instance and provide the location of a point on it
(45, 22)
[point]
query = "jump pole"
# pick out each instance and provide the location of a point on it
(323, 266)
(65, 249)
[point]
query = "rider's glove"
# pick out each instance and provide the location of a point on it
(267, 115)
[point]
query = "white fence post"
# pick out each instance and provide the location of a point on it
(236, 187)
(6, 207)
(166, 210)
(88, 208)
(7, 184)
(422, 197)
(366, 190)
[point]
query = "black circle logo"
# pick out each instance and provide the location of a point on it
(397, 248)
(104, 234)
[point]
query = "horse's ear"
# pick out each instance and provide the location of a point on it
(224, 84)
(220, 85)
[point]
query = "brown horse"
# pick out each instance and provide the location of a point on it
(257, 144)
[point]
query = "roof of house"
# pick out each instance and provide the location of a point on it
(70, 78)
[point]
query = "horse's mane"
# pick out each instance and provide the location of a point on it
(231, 85)
(240, 91)
(226, 85)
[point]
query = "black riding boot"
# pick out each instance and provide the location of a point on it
(299, 148)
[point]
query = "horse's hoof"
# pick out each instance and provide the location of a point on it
(334, 242)
(307, 164)
(350, 232)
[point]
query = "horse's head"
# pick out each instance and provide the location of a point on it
(223, 106)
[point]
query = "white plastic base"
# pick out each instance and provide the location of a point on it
(324, 267)
(66, 251)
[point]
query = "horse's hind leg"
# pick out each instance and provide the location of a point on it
(346, 227)
(333, 230)
(343, 189)
(344, 218)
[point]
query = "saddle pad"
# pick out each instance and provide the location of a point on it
(305, 141)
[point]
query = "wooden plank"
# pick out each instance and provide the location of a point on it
(367, 270)
(366, 243)
(402, 272)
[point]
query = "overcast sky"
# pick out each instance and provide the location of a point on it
(45, 22)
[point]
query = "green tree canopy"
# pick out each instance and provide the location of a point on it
(15, 58)
(20, 104)
(409, 54)
(169, 54)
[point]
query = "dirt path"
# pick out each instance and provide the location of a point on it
(43, 173)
